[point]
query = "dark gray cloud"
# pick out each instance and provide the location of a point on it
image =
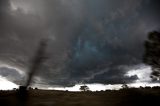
(89, 41)
(12, 75)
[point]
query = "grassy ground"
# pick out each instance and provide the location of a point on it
(130, 97)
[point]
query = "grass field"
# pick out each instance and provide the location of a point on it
(127, 97)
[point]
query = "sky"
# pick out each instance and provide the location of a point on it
(89, 41)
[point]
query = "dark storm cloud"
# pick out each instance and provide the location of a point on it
(109, 41)
(89, 41)
(12, 75)
(113, 76)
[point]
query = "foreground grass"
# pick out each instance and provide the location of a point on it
(128, 97)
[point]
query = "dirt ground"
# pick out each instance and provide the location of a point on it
(130, 97)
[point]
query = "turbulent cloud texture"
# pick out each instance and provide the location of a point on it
(90, 41)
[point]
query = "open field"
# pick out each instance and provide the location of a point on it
(130, 97)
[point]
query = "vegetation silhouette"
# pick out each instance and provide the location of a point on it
(152, 53)
(124, 97)
(124, 86)
(84, 88)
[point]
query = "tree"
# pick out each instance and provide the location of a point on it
(30, 88)
(125, 86)
(36, 88)
(152, 54)
(84, 88)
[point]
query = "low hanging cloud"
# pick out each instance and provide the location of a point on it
(89, 41)
(142, 72)
(12, 75)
